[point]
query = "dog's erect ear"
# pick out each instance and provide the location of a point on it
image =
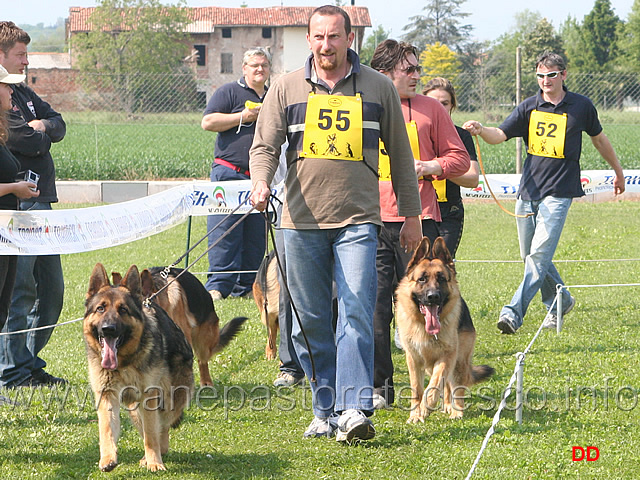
(441, 252)
(116, 278)
(421, 253)
(131, 281)
(147, 283)
(98, 280)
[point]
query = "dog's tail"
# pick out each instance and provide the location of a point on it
(481, 373)
(228, 332)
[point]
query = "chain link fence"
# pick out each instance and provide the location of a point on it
(145, 127)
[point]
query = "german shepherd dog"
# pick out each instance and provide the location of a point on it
(190, 306)
(136, 356)
(266, 294)
(436, 332)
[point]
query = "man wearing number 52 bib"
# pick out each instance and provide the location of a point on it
(551, 124)
(333, 112)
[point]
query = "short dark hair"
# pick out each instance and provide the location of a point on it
(328, 10)
(389, 53)
(549, 59)
(439, 83)
(10, 34)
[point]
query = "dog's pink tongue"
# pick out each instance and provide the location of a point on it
(432, 323)
(110, 354)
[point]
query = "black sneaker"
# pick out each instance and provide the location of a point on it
(29, 382)
(46, 379)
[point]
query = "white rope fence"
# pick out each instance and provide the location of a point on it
(518, 372)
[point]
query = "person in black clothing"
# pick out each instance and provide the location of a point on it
(232, 112)
(449, 198)
(39, 289)
(10, 190)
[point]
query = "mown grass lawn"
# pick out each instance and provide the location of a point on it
(581, 386)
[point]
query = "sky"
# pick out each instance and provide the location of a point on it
(490, 18)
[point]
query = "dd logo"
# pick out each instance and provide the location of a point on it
(590, 454)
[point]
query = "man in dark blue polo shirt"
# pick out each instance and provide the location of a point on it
(551, 124)
(232, 112)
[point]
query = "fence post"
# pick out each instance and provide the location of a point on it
(518, 100)
(559, 308)
(519, 383)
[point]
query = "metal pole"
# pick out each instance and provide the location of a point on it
(559, 308)
(518, 100)
(186, 258)
(519, 383)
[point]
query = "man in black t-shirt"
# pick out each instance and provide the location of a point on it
(551, 124)
(232, 112)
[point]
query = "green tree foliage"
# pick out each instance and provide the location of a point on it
(133, 48)
(131, 36)
(594, 45)
(441, 23)
(371, 42)
(438, 60)
(629, 40)
(46, 39)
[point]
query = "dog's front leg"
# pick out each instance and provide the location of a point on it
(108, 406)
(436, 387)
(149, 414)
(416, 379)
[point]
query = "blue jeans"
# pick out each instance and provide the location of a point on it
(538, 235)
(343, 359)
(37, 302)
(241, 250)
(288, 358)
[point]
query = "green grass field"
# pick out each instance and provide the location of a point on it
(153, 148)
(581, 386)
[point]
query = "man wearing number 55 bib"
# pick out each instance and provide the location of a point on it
(333, 113)
(551, 124)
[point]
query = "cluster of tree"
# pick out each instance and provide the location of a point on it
(46, 38)
(602, 51)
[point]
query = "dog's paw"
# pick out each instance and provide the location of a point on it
(107, 464)
(271, 354)
(152, 466)
(455, 414)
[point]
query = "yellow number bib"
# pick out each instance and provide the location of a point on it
(333, 127)
(384, 168)
(547, 133)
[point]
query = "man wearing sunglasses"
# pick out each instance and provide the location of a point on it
(232, 111)
(551, 124)
(439, 154)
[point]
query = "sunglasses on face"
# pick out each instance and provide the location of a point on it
(548, 75)
(411, 69)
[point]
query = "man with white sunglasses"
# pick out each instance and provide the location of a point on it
(551, 124)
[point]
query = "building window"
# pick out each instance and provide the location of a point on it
(266, 32)
(226, 63)
(226, 33)
(202, 61)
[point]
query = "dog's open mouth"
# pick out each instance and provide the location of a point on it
(109, 352)
(431, 315)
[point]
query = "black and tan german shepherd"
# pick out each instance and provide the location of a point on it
(139, 357)
(190, 306)
(436, 332)
(266, 294)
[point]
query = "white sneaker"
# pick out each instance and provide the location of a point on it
(551, 320)
(378, 401)
(321, 427)
(285, 379)
(215, 295)
(354, 425)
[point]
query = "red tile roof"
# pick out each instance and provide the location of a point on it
(206, 18)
